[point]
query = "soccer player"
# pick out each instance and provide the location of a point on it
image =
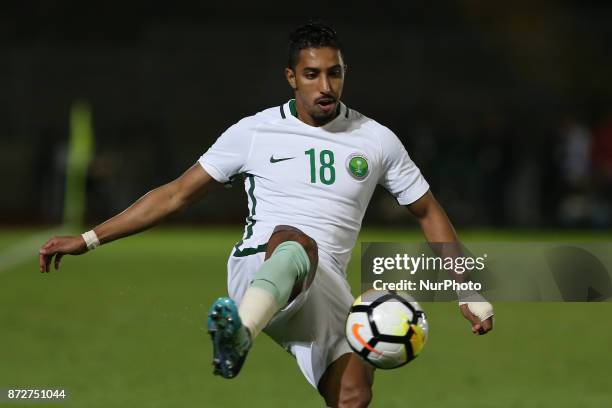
(310, 167)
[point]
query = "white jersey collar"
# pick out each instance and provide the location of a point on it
(285, 113)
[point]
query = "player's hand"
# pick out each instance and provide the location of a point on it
(58, 247)
(479, 326)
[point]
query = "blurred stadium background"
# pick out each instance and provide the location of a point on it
(507, 109)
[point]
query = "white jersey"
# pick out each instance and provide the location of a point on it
(317, 179)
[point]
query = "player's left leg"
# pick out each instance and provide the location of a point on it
(347, 382)
(289, 268)
(290, 264)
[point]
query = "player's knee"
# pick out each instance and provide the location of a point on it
(355, 395)
(309, 244)
(284, 233)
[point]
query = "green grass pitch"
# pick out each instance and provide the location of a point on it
(123, 327)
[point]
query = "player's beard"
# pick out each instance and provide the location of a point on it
(321, 117)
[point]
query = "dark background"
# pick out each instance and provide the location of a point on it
(506, 107)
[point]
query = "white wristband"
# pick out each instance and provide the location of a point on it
(91, 239)
(482, 310)
(476, 303)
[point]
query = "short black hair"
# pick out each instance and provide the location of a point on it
(313, 34)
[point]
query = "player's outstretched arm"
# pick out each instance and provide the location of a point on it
(147, 211)
(433, 220)
(437, 228)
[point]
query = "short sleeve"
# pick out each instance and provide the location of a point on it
(400, 176)
(228, 155)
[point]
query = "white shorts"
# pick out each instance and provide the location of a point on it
(311, 327)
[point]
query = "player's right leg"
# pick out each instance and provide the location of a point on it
(291, 261)
(347, 382)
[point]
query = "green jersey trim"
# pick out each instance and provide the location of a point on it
(292, 108)
(251, 221)
(250, 251)
(294, 112)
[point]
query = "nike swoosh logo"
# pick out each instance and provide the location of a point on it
(360, 339)
(273, 160)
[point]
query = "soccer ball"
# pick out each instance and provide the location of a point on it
(386, 328)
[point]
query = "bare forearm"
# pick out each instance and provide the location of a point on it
(443, 240)
(158, 204)
(433, 220)
(437, 227)
(150, 209)
(146, 212)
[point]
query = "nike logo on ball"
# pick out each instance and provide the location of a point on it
(355, 330)
(273, 160)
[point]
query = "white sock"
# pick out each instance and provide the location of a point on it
(256, 309)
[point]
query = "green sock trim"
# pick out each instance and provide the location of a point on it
(288, 264)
